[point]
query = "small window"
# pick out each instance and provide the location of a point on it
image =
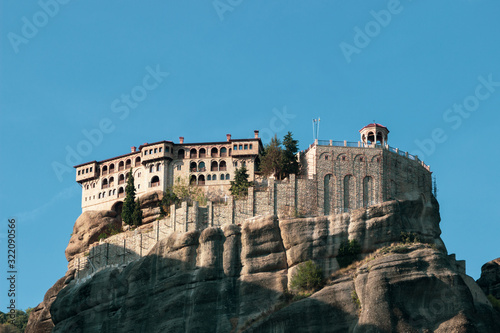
(138, 175)
(150, 151)
(138, 186)
(179, 167)
(85, 198)
(166, 149)
(235, 147)
(246, 147)
(156, 150)
(87, 170)
(250, 146)
(241, 147)
(209, 177)
(235, 164)
(158, 167)
(326, 157)
(99, 195)
(214, 177)
(227, 176)
(152, 168)
(145, 152)
(90, 169)
(361, 159)
(78, 172)
(343, 158)
(93, 197)
(160, 149)
(93, 186)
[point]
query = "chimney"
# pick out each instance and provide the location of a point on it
(256, 134)
(228, 137)
(132, 149)
(181, 139)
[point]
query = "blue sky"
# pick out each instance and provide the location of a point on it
(428, 70)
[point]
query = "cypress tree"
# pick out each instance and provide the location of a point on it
(290, 163)
(137, 214)
(271, 160)
(129, 203)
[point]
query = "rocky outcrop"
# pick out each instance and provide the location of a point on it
(490, 278)
(149, 206)
(234, 278)
(40, 320)
(87, 229)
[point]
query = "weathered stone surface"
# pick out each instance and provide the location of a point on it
(87, 229)
(490, 278)
(40, 320)
(149, 206)
(234, 279)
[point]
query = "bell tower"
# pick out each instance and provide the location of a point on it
(373, 134)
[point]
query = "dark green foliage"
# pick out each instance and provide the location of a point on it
(20, 321)
(494, 302)
(348, 253)
(289, 158)
(137, 214)
(109, 231)
(307, 277)
(271, 159)
(129, 203)
(169, 198)
(409, 237)
(240, 184)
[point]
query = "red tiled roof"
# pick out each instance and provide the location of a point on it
(374, 125)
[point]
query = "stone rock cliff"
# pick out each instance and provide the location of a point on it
(235, 278)
(490, 278)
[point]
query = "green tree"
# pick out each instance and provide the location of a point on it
(169, 198)
(348, 253)
(290, 163)
(129, 203)
(240, 184)
(137, 214)
(307, 277)
(271, 159)
(184, 191)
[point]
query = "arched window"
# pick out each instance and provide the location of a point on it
(121, 166)
(209, 177)
(192, 167)
(201, 180)
(227, 176)
(128, 164)
(214, 152)
(99, 196)
(243, 164)
(103, 194)
(180, 154)
(192, 180)
(158, 167)
(327, 196)
(367, 191)
(114, 191)
(192, 153)
(105, 170)
(104, 183)
(111, 181)
(137, 161)
(155, 181)
(152, 168)
(121, 179)
(222, 166)
(110, 192)
(203, 153)
(111, 168)
(93, 185)
(201, 167)
(121, 192)
(347, 193)
(214, 166)
(87, 187)
(214, 177)
(223, 152)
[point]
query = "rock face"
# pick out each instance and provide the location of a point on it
(87, 229)
(490, 278)
(234, 279)
(40, 320)
(149, 206)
